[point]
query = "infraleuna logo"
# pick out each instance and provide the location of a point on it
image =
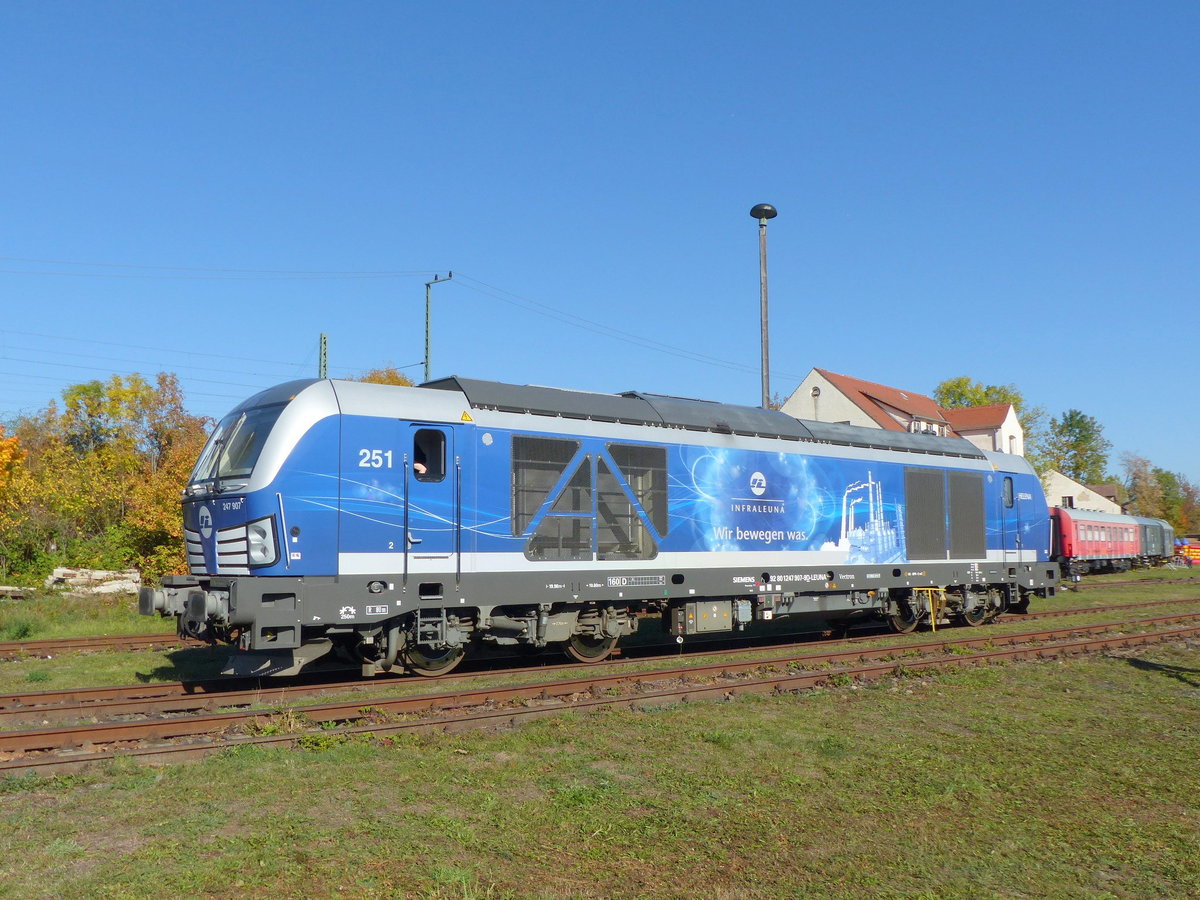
(204, 520)
(758, 484)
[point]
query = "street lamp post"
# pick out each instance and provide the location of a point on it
(762, 212)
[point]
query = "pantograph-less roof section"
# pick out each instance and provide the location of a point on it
(634, 408)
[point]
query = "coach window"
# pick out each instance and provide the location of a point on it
(1008, 492)
(429, 454)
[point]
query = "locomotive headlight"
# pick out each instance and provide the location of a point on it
(260, 542)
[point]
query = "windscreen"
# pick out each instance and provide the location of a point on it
(233, 448)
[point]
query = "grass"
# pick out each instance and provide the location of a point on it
(62, 615)
(1054, 779)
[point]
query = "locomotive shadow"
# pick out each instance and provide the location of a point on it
(188, 664)
(1190, 677)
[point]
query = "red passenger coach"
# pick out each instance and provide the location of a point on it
(1086, 541)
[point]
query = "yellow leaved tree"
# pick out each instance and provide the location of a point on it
(99, 478)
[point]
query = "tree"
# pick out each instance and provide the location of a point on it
(101, 478)
(1189, 507)
(959, 392)
(1144, 488)
(11, 456)
(1160, 494)
(1076, 446)
(1172, 495)
(386, 375)
(955, 393)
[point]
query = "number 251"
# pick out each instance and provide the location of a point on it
(374, 459)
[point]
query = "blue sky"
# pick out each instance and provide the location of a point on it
(1007, 191)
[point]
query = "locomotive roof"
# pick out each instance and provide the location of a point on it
(636, 408)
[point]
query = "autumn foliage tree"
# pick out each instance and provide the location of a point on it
(961, 391)
(1160, 494)
(10, 458)
(99, 478)
(385, 375)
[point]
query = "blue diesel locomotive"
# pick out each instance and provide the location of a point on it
(405, 526)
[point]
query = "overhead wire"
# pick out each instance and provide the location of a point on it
(464, 280)
(320, 273)
(187, 352)
(63, 365)
(585, 324)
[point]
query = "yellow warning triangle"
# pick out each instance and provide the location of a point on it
(466, 417)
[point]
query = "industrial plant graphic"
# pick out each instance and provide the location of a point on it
(875, 539)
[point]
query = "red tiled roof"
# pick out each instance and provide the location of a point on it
(872, 399)
(1107, 491)
(972, 418)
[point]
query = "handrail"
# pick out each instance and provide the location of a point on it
(404, 578)
(457, 521)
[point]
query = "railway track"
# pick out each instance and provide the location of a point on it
(43, 707)
(49, 647)
(1066, 584)
(58, 646)
(191, 731)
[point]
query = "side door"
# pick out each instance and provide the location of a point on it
(370, 534)
(433, 515)
(1010, 520)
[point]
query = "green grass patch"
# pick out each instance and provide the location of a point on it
(62, 615)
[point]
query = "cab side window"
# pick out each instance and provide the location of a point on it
(429, 454)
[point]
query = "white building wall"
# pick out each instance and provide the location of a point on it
(831, 406)
(984, 441)
(1008, 438)
(1058, 486)
(1012, 435)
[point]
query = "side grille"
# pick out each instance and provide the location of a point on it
(233, 551)
(195, 552)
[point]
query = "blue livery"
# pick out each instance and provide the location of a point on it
(407, 527)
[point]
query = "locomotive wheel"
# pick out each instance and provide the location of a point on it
(976, 615)
(997, 603)
(585, 648)
(906, 620)
(435, 662)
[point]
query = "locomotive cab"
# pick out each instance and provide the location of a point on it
(249, 544)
